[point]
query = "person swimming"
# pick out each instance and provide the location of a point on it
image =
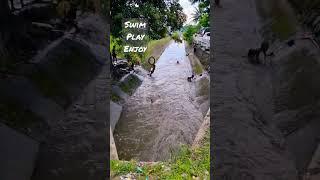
(152, 69)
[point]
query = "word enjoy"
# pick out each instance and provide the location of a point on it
(134, 49)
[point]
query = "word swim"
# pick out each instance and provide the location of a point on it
(135, 49)
(134, 38)
(141, 25)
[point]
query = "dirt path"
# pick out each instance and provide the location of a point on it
(247, 144)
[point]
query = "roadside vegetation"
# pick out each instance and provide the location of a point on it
(155, 48)
(115, 97)
(186, 163)
(132, 82)
(190, 30)
(200, 17)
(197, 68)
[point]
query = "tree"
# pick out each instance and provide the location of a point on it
(175, 16)
(203, 4)
(159, 13)
(201, 15)
(204, 20)
(196, 15)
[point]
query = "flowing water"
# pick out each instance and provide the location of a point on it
(162, 113)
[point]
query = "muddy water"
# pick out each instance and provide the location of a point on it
(162, 113)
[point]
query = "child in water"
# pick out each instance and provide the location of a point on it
(152, 69)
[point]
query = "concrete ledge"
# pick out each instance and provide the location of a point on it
(113, 148)
(202, 131)
(115, 113)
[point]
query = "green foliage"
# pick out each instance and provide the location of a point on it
(176, 17)
(159, 15)
(117, 44)
(204, 20)
(115, 97)
(197, 68)
(201, 15)
(122, 167)
(203, 4)
(186, 163)
(176, 37)
(153, 45)
(130, 85)
(190, 30)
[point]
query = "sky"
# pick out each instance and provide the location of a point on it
(188, 9)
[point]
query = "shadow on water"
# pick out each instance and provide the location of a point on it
(162, 113)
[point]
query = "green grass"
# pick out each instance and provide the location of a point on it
(184, 164)
(153, 48)
(130, 84)
(176, 37)
(115, 97)
(197, 68)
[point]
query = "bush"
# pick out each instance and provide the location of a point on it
(176, 37)
(189, 32)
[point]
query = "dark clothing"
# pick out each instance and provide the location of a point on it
(152, 70)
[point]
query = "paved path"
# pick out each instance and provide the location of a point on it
(247, 146)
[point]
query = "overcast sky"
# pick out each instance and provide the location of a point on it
(188, 9)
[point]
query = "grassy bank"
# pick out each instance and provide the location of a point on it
(187, 163)
(195, 63)
(155, 49)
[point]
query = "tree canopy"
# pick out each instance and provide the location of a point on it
(160, 15)
(201, 13)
